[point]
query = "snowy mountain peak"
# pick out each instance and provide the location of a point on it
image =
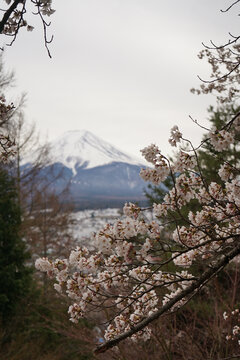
(81, 148)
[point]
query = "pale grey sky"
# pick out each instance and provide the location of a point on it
(120, 68)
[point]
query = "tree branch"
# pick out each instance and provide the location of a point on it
(207, 275)
(235, 2)
(8, 13)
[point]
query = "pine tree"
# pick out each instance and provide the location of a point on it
(15, 275)
(209, 158)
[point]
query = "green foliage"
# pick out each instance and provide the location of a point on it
(157, 193)
(15, 276)
(42, 331)
(209, 158)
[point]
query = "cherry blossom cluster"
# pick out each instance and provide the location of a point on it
(45, 7)
(176, 136)
(221, 140)
(225, 172)
(234, 318)
(161, 167)
(224, 61)
(131, 209)
(128, 275)
(7, 145)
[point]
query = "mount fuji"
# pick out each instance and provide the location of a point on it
(97, 173)
(81, 148)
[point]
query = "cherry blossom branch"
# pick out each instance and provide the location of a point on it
(8, 14)
(189, 290)
(14, 19)
(220, 78)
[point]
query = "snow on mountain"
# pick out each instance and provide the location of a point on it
(81, 148)
(96, 173)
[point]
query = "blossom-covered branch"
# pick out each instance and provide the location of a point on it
(14, 18)
(225, 65)
(207, 275)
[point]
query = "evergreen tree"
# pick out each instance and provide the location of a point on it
(15, 275)
(209, 158)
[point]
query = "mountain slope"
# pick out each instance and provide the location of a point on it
(81, 148)
(96, 173)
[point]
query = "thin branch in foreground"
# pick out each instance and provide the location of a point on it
(227, 9)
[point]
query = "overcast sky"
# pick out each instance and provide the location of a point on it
(120, 68)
